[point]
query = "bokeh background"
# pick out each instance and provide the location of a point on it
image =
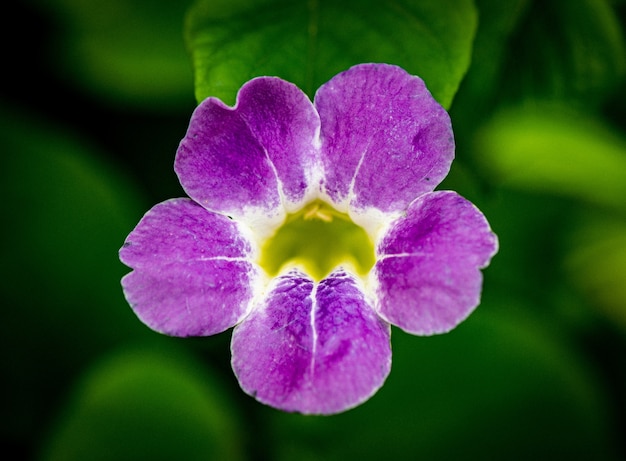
(95, 97)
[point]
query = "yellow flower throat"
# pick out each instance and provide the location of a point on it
(317, 239)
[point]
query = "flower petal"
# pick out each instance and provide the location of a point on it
(385, 140)
(193, 274)
(312, 348)
(244, 161)
(287, 125)
(427, 276)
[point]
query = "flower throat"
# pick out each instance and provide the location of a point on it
(317, 239)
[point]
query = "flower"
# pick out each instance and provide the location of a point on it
(310, 229)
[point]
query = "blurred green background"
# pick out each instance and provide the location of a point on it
(97, 94)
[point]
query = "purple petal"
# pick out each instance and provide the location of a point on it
(234, 160)
(192, 271)
(385, 140)
(287, 125)
(428, 270)
(312, 348)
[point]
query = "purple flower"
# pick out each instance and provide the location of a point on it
(311, 228)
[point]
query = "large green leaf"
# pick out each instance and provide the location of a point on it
(309, 41)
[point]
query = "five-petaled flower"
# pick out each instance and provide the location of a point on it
(370, 149)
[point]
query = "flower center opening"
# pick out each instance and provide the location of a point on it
(318, 238)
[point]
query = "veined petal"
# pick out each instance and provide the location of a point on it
(193, 274)
(255, 159)
(312, 348)
(428, 275)
(287, 125)
(385, 140)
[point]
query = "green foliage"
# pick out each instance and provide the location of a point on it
(555, 151)
(563, 51)
(497, 22)
(124, 51)
(69, 213)
(566, 50)
(307, 42)
(141, 405)
(596, 263)
(549, 149)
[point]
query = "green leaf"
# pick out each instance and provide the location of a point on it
(553, 150)
(144, 405)
(307, 42)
